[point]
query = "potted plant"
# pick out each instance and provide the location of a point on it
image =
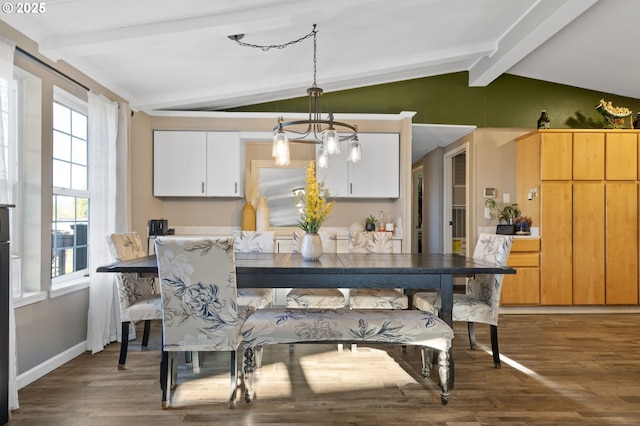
(506, 216)
(523, 225)
(316, 210)
(370, 223)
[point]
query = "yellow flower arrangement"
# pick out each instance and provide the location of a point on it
(316, 207)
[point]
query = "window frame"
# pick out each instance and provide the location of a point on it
(65, 283)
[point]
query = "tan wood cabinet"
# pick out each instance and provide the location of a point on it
(523, 288)
(587, 206)
(621, 243)
(588, 243)
(556, 275)
(588, 156)
(622, 156)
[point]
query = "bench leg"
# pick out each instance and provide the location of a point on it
(443, 375)
(426, 361)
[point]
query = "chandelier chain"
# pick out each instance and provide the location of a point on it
(266, 48)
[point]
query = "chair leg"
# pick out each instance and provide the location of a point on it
(164, 378)
(234, 380)
(248, 373)
(472, 335)
(124, 345)
(494, 346)
(145, 335)
(443, 376)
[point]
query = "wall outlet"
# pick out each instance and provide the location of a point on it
(506, 198)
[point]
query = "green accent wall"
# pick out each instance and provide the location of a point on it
(509, 101)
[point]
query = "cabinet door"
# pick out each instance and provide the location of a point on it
(377, 175)
(556, 247)
(336, 176)
(522, 288)
(588, 156)
(224, 165)
(179, 163)
(555, 156)
(621, 156)
(588, 244)
(622, 243)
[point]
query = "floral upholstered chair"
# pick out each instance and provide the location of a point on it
(315, 297)
(255, 242)
(139, 298)
(481, 302)
(382, 298)
(199, 303)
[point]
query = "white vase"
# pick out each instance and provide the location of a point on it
(311, 248)
(262, 215)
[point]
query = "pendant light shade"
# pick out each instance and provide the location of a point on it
(331, 141)
(355, 152)
(323, 159)
(280, 149)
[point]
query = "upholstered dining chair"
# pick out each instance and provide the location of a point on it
(367, 298)
(139, 298)
(331, 298)
(255, 242)
(481, 301)
(199, 303)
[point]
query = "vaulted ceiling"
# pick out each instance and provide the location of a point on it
(177, 54)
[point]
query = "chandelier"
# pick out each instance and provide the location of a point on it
(328, 133)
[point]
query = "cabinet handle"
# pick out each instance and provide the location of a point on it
(203, 187)
(235, 190)
(351, 189)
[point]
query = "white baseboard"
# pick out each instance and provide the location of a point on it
(49, 365)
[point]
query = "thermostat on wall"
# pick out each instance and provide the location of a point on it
(489, 193)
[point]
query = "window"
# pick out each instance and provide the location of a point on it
(9, 109)
(70, 222)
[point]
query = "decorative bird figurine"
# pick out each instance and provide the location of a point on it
(544, 120)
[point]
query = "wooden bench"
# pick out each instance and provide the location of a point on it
(306, 325)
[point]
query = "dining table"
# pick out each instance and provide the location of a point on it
(409, 271)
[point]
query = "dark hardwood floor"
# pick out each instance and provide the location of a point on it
(557, 369)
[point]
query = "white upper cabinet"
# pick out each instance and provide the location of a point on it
(377, 175)
(197, 164)
(225, 165)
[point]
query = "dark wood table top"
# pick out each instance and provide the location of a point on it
(334, 263)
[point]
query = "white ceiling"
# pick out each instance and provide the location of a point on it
(167, 54)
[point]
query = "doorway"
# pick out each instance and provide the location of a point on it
(416, 210)
(456, 200)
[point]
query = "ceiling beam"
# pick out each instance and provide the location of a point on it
(255, 20)
(543, 20)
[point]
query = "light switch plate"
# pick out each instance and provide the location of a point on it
(506, 198)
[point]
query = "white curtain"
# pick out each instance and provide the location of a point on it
(7, 49)
(103, 133)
